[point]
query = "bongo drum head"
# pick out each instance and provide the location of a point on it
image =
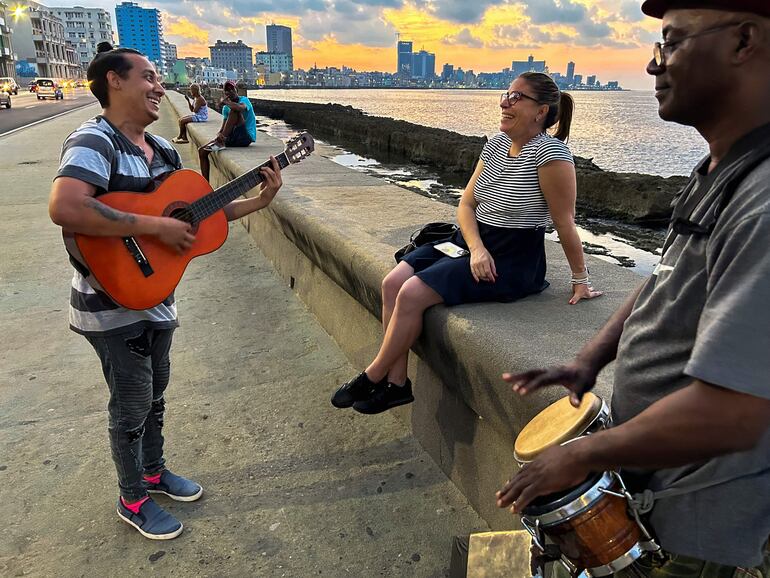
(551, 502)
(556, 424)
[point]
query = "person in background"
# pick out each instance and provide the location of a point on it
(200, 113)
(239, 126)
(524, 180)
(691, 397)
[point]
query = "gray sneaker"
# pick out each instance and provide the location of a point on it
(176, 487)
(152, 521)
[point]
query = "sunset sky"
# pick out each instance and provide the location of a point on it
(609, 38)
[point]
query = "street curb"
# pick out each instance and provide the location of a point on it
(42, 120)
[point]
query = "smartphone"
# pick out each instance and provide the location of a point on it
(451, 250)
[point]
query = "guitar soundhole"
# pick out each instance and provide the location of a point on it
(181, 211)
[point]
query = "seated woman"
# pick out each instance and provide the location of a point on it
(524, 180)
(199, 109)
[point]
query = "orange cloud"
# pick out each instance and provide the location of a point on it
(182, 27)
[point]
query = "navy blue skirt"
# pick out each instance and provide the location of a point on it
(519, 256)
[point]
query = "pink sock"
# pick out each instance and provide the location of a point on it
(134, 506)
(153, 479)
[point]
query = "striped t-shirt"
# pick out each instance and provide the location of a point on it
(99, 154)
(507, 191)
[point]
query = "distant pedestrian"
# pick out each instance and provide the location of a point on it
(239, 126)
(199, 109)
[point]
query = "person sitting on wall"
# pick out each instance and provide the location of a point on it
(524, 180)
(239, 126)
(200, 113)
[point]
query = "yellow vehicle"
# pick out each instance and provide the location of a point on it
(9, 85)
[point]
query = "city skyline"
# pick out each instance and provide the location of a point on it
(611, 39)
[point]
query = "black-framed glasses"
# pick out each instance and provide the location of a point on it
(511, 98)
(662, 50)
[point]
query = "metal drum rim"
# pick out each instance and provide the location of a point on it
(576, 506)
(618, 564)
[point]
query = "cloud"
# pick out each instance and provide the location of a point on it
(461, 11)
(555, 11)
(184, 28)
(464, 38)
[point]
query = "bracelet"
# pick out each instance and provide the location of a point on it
(581, 280)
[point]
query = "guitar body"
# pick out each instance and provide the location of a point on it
(115, 268)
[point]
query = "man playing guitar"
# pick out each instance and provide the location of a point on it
(691, 400)
(112, 152)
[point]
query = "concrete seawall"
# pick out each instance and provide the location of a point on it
(331, 234)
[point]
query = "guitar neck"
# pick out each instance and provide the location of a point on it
(224, 195)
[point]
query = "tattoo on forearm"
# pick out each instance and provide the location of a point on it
(109, 212)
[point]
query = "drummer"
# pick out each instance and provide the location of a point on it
(691, 404)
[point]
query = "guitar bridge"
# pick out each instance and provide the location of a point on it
(138, 255)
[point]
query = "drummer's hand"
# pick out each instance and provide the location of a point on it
(556, 469)
(582, 291)
(578, 377)
(483, 266)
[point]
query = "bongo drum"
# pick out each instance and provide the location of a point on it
(590, 523)
(560, 422)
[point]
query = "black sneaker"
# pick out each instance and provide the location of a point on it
(386, 398)
(357, 389)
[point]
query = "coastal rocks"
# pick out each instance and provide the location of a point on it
(632, 197)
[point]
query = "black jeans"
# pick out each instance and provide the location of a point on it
(136, 367)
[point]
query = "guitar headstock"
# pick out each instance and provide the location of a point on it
(299, 147)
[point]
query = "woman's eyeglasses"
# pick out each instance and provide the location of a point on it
(662, 50)
(511, 98)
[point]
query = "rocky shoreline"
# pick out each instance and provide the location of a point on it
(628, 197)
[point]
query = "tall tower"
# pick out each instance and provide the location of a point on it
(404, 68)
(142, 29)
(279, 41)
(570, 72)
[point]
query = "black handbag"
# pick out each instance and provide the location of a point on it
(430, 233)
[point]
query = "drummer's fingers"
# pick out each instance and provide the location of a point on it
(517, 379)
(525, 497)
(546, 378)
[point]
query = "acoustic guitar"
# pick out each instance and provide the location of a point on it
(140, 272)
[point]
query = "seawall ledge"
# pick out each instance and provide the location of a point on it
(331, 233)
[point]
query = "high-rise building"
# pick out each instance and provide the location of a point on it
(423, 65)
(40, 43)
(519, 67)
(577, 79)
(447, 72)
(84, 28)
(404, 68)
(570, 72)
(142, 29)
(7, 56)
(171, 56)
(279, 41)
(591, 80)
(233, 56)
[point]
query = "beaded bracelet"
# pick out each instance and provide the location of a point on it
(581, 280)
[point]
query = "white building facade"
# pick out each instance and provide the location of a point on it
(85, 28)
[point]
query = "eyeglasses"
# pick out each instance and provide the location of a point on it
(662, 50)
(511, 98)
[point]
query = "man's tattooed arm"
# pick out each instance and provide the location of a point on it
(109, 212)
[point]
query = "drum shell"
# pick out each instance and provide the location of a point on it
(595, 535)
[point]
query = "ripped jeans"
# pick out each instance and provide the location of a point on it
(136, 367)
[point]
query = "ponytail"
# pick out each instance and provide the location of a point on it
(564, 117)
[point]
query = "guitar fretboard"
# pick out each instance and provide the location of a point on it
(221, 197)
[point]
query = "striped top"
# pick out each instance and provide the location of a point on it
(99, 154)
(507, 191)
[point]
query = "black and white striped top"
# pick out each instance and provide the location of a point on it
(99, 154)
(507, 191)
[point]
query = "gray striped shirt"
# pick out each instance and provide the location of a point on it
(99, 154)
(507, 191)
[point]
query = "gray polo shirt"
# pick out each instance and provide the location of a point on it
(705, 314)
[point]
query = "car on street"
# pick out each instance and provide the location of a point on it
(48, 88)
(9, 85)
(32, 85)
(5, 99)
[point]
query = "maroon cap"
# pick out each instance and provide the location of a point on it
(231, 84)
(657, 8)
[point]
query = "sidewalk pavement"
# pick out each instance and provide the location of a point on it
(293, 487)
